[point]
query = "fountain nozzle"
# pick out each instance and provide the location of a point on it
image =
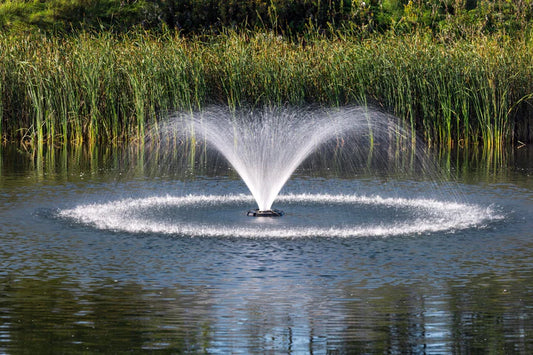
(267, 213)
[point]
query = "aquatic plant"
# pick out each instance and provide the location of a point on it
(115, 88)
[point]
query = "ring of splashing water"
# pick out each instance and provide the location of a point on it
(429, 216)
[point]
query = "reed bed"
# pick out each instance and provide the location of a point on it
(105, 88)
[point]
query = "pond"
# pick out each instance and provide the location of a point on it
(99, 255)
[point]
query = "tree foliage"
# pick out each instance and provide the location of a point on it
(449, 17)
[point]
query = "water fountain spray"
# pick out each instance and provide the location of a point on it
(265, 146)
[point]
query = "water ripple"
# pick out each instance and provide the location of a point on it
(425, 216)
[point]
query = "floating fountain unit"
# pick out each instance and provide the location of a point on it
(267, 213)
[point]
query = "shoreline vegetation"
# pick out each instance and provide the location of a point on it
(455, 79)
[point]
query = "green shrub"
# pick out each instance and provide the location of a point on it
(450, 17)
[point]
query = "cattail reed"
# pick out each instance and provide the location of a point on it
(107, 88)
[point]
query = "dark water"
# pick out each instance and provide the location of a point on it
(145, 283)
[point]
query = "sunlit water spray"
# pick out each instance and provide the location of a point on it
(265, 147)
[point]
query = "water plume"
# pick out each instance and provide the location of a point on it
(266, 145)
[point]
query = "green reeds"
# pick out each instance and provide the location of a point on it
(105, 88)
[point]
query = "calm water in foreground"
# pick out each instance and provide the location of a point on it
(96, 256)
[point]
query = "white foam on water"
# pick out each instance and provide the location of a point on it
(432, 216)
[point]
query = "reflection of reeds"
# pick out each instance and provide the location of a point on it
(106, 88)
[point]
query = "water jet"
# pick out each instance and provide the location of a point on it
(266, 145)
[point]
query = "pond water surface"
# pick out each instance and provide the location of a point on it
(96, 257)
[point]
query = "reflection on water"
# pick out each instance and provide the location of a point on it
(484, 314)
(471, 165)
(69, 288)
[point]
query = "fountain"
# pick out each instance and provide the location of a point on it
(266, 146)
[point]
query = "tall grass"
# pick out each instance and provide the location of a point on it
(97, 88)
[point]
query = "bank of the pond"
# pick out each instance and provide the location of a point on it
(110, 88)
